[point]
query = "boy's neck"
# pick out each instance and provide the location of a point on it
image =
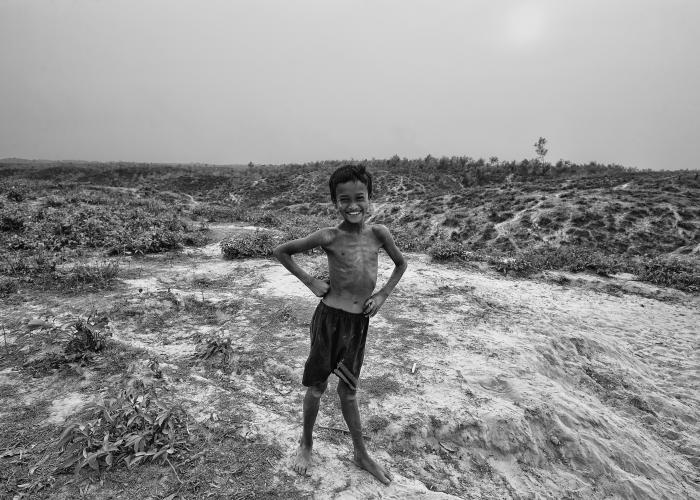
(352, 228)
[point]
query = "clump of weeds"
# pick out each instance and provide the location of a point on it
(131, 428)
(84, 338)
(214, 345)
(90, 336)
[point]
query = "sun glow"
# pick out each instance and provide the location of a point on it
(525, 24)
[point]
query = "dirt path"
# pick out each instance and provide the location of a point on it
(521, 389)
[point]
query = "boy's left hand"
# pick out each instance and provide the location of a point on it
(373, 304)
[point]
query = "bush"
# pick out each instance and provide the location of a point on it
(570, 258)
(567, 258)
(8, 286)
(250, 244)
(9, 223)
(407, 240)
(447, 251)
(670, 272)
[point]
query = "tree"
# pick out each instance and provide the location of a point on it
(540, 149)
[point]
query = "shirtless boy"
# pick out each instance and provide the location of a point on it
(339, 324)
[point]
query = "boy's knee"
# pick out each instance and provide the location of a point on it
(345, 392)
(317, 390)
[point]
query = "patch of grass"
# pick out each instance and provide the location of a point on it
(380, 385)
(80, 277)
(376, 423)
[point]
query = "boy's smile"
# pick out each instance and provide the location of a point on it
(352, 201)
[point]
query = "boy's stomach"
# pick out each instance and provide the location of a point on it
(351, 299)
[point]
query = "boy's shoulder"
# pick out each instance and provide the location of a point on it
(380, 231)
(326, 235)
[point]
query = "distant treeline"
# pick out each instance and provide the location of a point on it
(464, 170)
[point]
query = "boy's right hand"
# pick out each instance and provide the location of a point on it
(319, 287)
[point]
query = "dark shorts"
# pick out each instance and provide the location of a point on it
(337, 346)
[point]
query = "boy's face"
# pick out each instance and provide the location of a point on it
(352, 201)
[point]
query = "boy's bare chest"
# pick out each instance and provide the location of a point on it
(354, 253)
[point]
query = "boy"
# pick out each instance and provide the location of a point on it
(339, 325)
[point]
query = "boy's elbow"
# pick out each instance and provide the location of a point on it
(402, 265)
(277, 252)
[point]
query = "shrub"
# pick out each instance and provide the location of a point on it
(670, 272)
(9, 223)
(250, 244)
(447, 251)
(8, 286)
(567, 258)
(408, 239)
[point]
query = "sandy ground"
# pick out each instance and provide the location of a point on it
(474, 385)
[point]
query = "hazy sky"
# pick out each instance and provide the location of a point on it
(615, 81)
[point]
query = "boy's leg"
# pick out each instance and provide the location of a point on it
(312, 401)
(351, 413)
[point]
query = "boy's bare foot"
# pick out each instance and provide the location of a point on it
(302, 460)
(373, 468)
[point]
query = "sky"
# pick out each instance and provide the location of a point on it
(293, 81)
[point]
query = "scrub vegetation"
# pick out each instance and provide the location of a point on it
(521, 217)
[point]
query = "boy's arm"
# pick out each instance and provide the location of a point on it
(376, 301)
(284, 252)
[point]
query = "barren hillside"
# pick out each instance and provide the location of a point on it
(137, 354)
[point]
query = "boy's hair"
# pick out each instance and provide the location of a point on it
(350, 173)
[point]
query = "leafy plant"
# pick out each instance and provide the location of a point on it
(90, 336)
(132, 428)
(213, 345)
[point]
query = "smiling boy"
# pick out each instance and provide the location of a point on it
(339, 324)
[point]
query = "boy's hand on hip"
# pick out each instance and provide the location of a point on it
(319, 287)
(373, 304)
